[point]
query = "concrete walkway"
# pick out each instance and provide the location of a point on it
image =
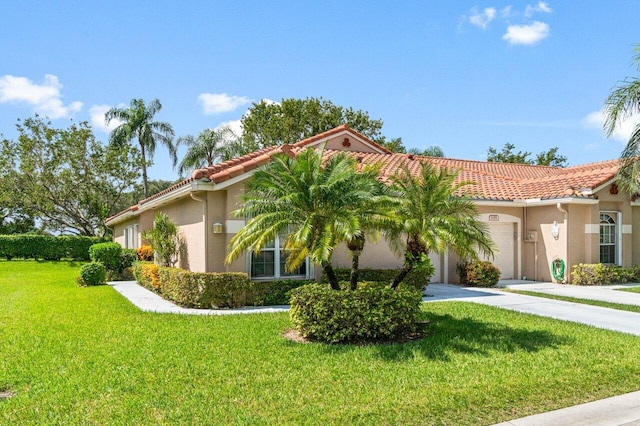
(605, 293)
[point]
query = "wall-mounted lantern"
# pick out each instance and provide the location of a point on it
(217, 228)
(555, 230)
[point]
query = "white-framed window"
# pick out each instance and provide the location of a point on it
(270, 262)
(131, 237)
(610, 238)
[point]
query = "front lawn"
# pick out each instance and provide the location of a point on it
(630, 289)
(86, 356)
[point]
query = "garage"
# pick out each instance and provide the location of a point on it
(435, 261)
(502, 234)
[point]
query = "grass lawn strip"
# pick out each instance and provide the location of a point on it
(603, 304)
(630, 289)
(75, 355)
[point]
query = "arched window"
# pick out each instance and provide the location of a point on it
(608, 238)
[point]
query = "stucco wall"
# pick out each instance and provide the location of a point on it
(354, 144)
(620, 202)
(547, 248)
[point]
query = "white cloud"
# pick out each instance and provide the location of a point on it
(234, 125)
(482, 19)
(97, 113)
(218, 103)
(44, 98)
(526, 34)
(541, 7)
(505, 13)
(623, 130)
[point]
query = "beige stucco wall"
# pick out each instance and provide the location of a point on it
(620, 202)
(355, 145)
(118, 230)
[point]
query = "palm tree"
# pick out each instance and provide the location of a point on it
(430, 218)
(205, 149)
(310, 203)
(622, 103)
(137, 123)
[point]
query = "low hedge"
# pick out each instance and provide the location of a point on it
(599, 274)
(478, 273)
(147, 275)
(109, 254)
(275, 292)
(28, 246)
(372, 313)
(93, 273)
(416, 279)
(204, 289)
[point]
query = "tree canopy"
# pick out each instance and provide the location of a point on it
(268, 123)
(137, 124)
(203, 150)
(64, 177)
(621, 104)
(507, 155)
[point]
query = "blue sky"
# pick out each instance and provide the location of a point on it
(461, 75)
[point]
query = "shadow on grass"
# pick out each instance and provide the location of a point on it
(446, 335)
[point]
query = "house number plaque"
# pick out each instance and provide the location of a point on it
(494, 218)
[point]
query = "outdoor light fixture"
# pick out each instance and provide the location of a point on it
(217, 228)
(555, 230)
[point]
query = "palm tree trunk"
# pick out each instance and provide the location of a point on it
(353, 278)
(331, 275)
(145, 184)
(408, 266)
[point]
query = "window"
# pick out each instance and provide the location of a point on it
(270, 262)
(131, 237)
(608, 238)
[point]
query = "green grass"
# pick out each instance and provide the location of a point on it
(630, 289)
(603, 304)
(86, 356)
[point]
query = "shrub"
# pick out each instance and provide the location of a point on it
(367, 314)
(205, 289)
(30, 246)
(599, 274)
(164, 239)
(147, 275)
(480, 273)
(93, 273)
(145, 253)
(416, 279)
(276, 292)
(109, 254)
(127, 258)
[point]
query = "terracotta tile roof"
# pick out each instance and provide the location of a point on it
(493, 181)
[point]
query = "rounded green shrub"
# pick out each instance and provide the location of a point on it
(93, 273)
(372, 313)
(109, 254)
(478, 273)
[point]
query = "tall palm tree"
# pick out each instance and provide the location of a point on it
(203, 150)
(430, 218)
(137, 123)
(622, 103)
(308, 202)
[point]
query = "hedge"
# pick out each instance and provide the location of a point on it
(416, 279)
(109, 254)
(367, 314)
(28, 246)
(147, 275)
(93, 273)
(599, 274)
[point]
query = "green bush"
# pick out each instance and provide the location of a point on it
(416, 279)
(127, 258)
(204, 289)
(29, 246)
(93, 273)
(478, 273)
(109, 254)
(367, 314)
(276, 292)
(599, 274)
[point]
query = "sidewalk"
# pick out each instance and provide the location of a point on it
(605, 293)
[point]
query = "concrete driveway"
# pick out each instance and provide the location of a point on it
(610, 319)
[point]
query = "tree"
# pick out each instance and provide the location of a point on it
(136, 193)
(431, 151)
(545, 158)
(137, 123)
(268, 124)
(64, 177)
(430, 218)
(164, 239)
(202, 151)
(621, 104)
(310, 203)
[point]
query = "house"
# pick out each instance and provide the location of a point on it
(535, 214)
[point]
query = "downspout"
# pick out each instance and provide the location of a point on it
(205, 217)
(566, 233)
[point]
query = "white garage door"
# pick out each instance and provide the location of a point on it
(435, 261)
(502, 236)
